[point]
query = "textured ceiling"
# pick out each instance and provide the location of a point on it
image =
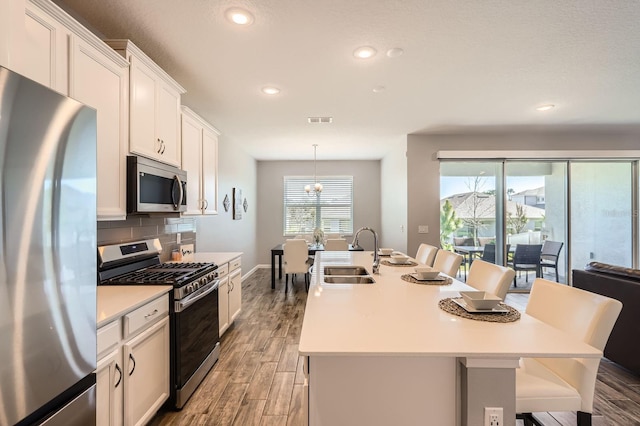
(467, 64)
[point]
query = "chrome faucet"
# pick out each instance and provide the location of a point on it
(376, 257)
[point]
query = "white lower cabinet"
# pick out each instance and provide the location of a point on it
(230, 293)
(109, 387)
(132, 373)
(146, 381)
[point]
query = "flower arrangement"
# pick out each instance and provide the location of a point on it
(318, 236)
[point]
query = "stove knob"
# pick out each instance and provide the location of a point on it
(205, 280)
(189, 288)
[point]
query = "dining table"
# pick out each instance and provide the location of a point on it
(279, 252)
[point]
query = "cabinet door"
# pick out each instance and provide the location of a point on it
(210, 171)
(191, 162)
(45, 51)
(142, 131)
(97, 81)
(223, 304)
(235, 294)
(168, 123)
(109, 383)
(146, 384)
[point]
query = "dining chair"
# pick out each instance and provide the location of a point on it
(426, 254)
(447, 262)
(296, 261)
(564, 384)
(490, 277)
(526, 258)
(336, 244)
(550, 255)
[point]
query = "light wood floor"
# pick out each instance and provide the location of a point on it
(258, 379)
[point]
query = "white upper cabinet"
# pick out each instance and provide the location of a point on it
(154, 102)
(64, 55)
(200, 160)
(45, 51)
(101, 81)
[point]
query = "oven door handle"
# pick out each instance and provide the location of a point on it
(183, 304)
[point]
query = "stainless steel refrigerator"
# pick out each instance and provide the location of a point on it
(47, 256)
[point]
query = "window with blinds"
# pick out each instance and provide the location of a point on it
(330, 210)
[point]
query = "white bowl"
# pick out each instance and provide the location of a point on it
(385, 251)
(426, 272)
(399, 258)
(480, 299)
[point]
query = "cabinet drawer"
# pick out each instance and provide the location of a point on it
(108, 337)
(223, 270)
(146, 315)
(234, 264)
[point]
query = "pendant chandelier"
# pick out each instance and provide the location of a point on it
(317, 186)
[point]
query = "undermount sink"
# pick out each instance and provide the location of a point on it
(348, 280)
(345, 270)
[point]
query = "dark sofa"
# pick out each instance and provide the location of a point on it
(622, 284)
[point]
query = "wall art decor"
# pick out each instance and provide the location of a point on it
(245, 205)
(237, 203)
(226, 203)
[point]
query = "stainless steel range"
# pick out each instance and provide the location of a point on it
(195, 340)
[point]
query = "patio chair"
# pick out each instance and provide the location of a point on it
(489, 252)
(526, 258)
(564, 384)
(550, 255)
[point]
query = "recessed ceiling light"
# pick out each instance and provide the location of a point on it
(395, 52)
(239, 16)
(378, 89)
(365, 52)
(546, 107)
(270, 90)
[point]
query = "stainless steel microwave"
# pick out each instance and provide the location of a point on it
(154, 187)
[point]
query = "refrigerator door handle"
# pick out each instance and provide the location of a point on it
(134, 364)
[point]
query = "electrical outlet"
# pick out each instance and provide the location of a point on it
(178, 238)
(493, 416)
(423, 229)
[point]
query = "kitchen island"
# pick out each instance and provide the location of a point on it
(385, 353)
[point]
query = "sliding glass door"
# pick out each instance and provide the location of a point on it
(567, 212)
(601, 213)
(536, 220)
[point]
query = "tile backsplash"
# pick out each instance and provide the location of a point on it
(136, 228)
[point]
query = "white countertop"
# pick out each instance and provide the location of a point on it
(395, 317)
(215, 257)
(116, 300)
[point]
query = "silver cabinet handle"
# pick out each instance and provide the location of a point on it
(155, 311)
(159, 146)
(163, 147)
(206, 204)
(134, 364)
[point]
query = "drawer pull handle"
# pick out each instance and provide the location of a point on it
(155, 311)
(134, 364)
(120, 377)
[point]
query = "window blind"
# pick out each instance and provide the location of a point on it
(331, 210)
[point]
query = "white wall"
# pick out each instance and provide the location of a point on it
(423, 173)
(236, 169)
(270, 187)
(393, 209)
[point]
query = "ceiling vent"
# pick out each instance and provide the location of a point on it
(313, 120)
